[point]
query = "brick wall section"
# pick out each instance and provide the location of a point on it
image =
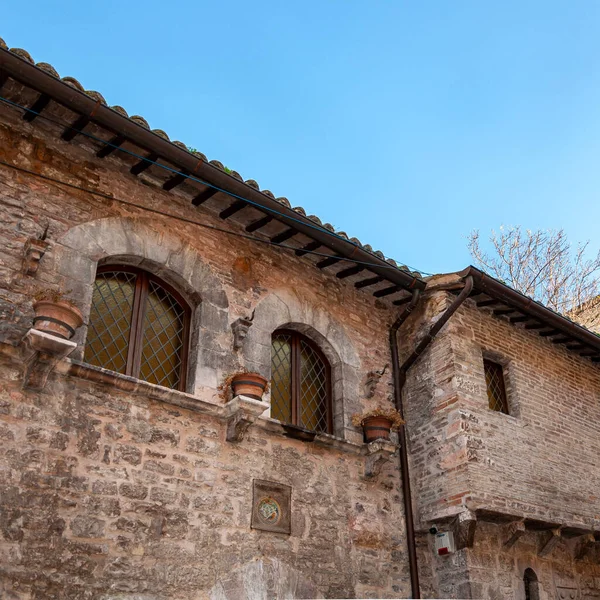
(539, 461)
(109, 495)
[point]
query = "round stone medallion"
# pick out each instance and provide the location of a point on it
(269, 510)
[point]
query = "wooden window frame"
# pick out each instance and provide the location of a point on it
(487, 362)
(296, 375)
(138, 313)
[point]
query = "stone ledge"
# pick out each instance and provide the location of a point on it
(251, 408)
(321, 439)
(139, 387)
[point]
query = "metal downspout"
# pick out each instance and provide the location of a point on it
(399, 377)
(408, 514)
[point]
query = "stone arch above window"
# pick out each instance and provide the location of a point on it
(137, 243)
(286, 311)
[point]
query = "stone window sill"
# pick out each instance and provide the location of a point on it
(125, 383)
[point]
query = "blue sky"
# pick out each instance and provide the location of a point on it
(406, 124)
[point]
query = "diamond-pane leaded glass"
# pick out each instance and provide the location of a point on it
(299, 382)
(496, 391)
(313, 389)
(110, 321)
(137, 327)
(281, 378)
(164, 325)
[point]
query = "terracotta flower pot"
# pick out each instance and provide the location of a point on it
(249, 384)
(376, 428)
(57, 318)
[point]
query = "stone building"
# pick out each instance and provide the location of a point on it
(130, 472)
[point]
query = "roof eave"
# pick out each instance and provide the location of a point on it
(76, 100)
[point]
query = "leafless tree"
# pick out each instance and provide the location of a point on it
(545, 266)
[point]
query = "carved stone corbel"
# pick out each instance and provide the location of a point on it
(513, 531)
(372, 380)
(550, 542)
(464, 527)
(584, 546)
(240, 329)
(42, 353)
(33, 252)
(377, 454)
(240, 413)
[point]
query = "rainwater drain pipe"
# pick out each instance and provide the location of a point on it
(399, 378)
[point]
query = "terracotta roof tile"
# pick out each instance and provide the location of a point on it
(48, 68)
(140, 121)
(73, 83)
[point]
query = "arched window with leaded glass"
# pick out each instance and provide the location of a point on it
(300, 382)
(138, 326)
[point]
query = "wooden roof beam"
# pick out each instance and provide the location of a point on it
(519, 319)
(202, 197)
(37, 107)
(484, 303)
(387, 291)
(144, 164)
(259, 224)
(368, 282)
(175, 181)
(308, 248)
(112, 144)
(284, 235)
(327, 262)
(355, 270)
(70, 132)
(232, 209)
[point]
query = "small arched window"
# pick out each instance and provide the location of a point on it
(300, 382)
(138, 326)
(530, 580)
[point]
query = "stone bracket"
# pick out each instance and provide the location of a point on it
(240, 329)
(586, 543)
(33, 252)
(377, 454)
(42, 353)
(372, 380)
(240, 413)
(550, 541)
(463, 527)
(513, 532)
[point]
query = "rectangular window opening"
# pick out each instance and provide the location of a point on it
(495, 386)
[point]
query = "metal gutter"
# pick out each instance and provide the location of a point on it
(500, 291)
(34, 77)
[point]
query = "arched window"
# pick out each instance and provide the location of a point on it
(532, 591)
(138, 326)
(300, 382)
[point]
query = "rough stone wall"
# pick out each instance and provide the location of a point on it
(109, 494)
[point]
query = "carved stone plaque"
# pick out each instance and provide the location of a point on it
(271, 506)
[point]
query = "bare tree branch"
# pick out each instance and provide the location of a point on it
(544, 266)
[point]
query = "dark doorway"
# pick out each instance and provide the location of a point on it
(532, 591)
